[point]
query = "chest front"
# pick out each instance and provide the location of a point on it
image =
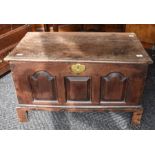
(72, 83)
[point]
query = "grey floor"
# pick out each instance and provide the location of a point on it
(74, 121)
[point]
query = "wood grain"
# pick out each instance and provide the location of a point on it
(145, 32)
(113, 68)
(135, 73)
(10, 35)
(43, 86)
(136, 118)
(86, 27)
(113, 87)
(73, 46)
(78, 89)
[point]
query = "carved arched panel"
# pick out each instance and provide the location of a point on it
(43, 86)
(113, 87)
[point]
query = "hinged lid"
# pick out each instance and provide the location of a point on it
(80, 47)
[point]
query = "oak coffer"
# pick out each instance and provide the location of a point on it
(79, 71)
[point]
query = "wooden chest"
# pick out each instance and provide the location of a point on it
(79, 72)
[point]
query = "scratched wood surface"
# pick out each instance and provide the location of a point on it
(80, 46)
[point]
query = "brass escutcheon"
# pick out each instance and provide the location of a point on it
(78, 68)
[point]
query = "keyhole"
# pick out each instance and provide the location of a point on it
(78, 67)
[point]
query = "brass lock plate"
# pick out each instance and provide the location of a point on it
(78, 68)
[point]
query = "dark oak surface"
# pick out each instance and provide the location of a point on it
(79, 72)
(79, 46)
(54, 83)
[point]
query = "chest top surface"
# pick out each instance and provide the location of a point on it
(80, 47)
